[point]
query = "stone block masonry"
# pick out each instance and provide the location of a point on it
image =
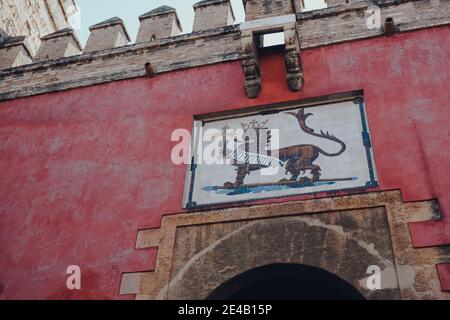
(107, 34)
(100, 67)
(159, 23)
(302, 229)
(166, 52)
(14, 53)
(34, 18)
(211, 14)
(256, 9)
(60, 44)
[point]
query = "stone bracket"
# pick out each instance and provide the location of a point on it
(250, 61)
(250, 65)
(292, 56)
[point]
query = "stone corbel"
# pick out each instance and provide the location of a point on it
(292, 56)
(250, 66)
(250, 63)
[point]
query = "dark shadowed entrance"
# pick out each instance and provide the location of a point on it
(286, 281)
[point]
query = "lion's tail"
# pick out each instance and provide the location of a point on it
(329, 136)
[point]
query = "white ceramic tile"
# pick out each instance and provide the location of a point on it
(342, 120)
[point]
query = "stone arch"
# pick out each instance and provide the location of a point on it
(333, 243)
(233, 240)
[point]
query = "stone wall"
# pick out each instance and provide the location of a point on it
(162, 22)
(344, 23)
(62, 43)
(315, 28)
(257, 9)
(55, 146)
(199, 251)
(91, 68)
(14, 53)
(34, 18)
(211, 14)
(84, 164)
(107, 34)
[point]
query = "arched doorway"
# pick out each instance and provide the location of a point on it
(286, 282)
(201, 256)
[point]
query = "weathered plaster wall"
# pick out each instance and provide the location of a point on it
(83, 170)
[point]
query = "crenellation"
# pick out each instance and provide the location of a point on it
(168, 51)
(180, 52)
(107, 34)
(159, 23)
(60, 44)
(256, 9)
(14, 52)
(345, 23)
(211, 14)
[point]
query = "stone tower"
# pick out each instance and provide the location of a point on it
(35, 19)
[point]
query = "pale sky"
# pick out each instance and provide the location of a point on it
(94, 11)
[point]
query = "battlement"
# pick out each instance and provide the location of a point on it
(255, 9)
(160, 23)
(211, 14)
(61, 63)
(107, 34)
(62, 43)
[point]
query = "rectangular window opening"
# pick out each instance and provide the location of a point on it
(272, 39)
(310, 5)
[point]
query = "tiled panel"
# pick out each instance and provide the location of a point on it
(321, 162)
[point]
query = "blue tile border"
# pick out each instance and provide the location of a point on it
(359, 100)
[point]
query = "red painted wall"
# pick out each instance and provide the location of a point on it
(83, 170)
